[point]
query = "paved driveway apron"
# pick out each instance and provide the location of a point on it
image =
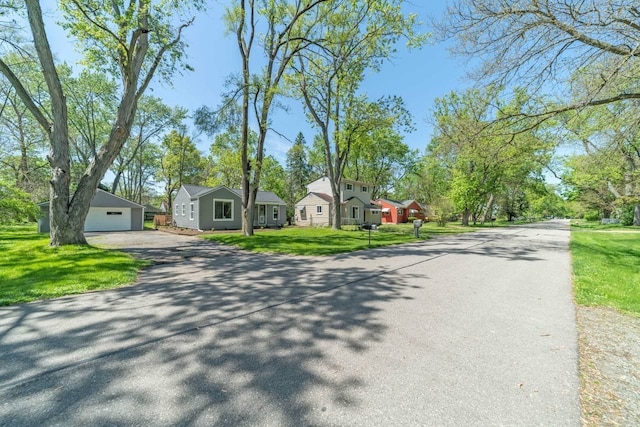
(476, 329)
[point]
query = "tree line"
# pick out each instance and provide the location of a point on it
(552, 75)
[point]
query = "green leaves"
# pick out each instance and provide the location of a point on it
(16, 205)
(487, 155)
(125, 37)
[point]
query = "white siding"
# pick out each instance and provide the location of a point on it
(99, 219)
(320, 185)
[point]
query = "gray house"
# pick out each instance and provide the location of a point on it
(107, 212)
(204, 208)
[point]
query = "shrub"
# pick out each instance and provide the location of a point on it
(626, 215)
(592, 216)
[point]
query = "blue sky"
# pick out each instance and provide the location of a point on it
(418, 76)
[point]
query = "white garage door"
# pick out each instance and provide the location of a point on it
(108, 219)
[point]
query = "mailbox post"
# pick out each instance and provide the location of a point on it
(416, 227)
(369, 227)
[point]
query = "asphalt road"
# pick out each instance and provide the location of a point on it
(477, 329)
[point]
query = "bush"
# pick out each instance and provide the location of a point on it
(412, 218)
(592, 216)
(626, 215)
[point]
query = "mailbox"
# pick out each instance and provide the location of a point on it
(416, 227)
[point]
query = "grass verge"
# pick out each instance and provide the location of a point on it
(325, 241)
(32, 270)
(605, 269)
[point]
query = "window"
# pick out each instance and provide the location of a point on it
(276, 213)
(114, 213)
(192, 211)
(319, 210)
(400, 211)
(184, 211)
(223, 210)
(355, 212)
(365, 189)
(176, 210)
(349, 187)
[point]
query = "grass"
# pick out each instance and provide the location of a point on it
(32, 270)
(579, 224)
(325, 241)
(606, 269)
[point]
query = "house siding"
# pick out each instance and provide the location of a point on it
(207, 222)
(101, 199)
(182, 197)
(347, 217)
(320, 185)
(269, 221)
(310, 217)
(203, 202)
(356, 190)
(400, 213)
(372, 218)
(323, 185)
(137, 219)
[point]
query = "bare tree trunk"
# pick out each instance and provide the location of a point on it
(337, 211)
(465, 217)
(64, 225)
(636, 216)
(488, 210)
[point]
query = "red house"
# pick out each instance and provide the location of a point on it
(397, 212)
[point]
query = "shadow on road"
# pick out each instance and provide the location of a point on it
(184, 338)
(199, 340)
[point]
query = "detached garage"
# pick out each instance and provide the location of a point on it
(108, 212)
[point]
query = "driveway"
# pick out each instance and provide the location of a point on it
(476, 329)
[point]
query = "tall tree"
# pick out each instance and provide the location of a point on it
(181, 163)
(380, 158)
(132, 40)
(92, 102)
(532, 43)
(152, 118)
(22, 141)
(606, 175)
(298, 173)
(274, 177)
(357, 37)
(484, 159)
(286, 29)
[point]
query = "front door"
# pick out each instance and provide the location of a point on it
(262, 214)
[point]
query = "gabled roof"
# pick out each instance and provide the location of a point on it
(395, 203)
(399, 204)
(367, 205)
(323, 196)
(263, 197)
(408, 202)
(196, 191)
(104, 199)
(151, 209)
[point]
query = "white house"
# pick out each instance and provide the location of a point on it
(316, 208)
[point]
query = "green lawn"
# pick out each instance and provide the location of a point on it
(580, 224)
(325, 241)
(31, 270)
(606, 269)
